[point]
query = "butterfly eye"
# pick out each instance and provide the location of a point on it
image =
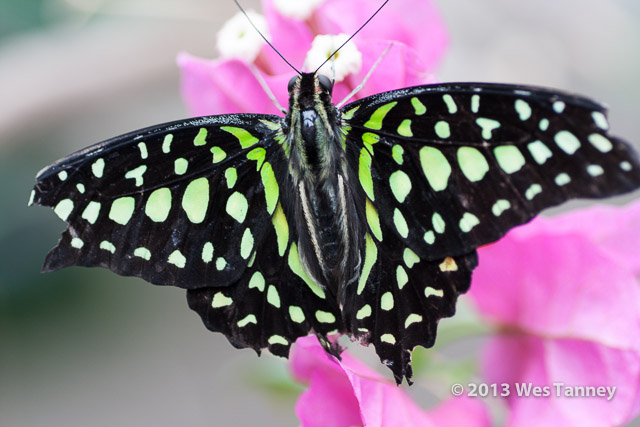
(325, 83)
(292, 83)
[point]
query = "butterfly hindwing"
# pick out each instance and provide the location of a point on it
(454, 166)
(180, 204)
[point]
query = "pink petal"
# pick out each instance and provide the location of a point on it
(292, 38)
(225, 86)
(339, 390)
(556, 284)
(400, 68)
(543, 362)
(414, 23)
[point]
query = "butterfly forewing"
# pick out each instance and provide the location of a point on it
(183, 204)
(454, 166)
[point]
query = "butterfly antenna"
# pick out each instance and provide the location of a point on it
(267, 41)
(349, 39)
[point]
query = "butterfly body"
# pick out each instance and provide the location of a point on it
(362, 220)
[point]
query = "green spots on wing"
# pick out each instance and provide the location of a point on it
(509, 158)
(231, 176)
(195, 200)
(237, 206)
(106, 245)
(180, 166)
(410, 258)
(296, 266)
(600, 120)
(369, 138)
(250, 318)
(143, 253)
(523, 109)
(221, 264)
(176, 258)
(411, 319)
(438, 223)
(257, 281)
(539, 151)
(595, 170)
(258, 155)
(277, 339)
(429, 291)
(244, 137)
(543, 125)
(442, 129)
(158, 204)
(451, 104)
(296, 314)
(562, 179)
(207, 252)
(567, 141)
(500, 206)
(487, 126)
(349, 114)
(373, 219)
(166, 143)
(271, 188)
(388, 338)
(533, 191)
(122, 210)
(77, 243)
(98, 168)
(91, 212)
(475, 103)
(448, 264)
(63, 175)
(201, 137)
(218, 154)
(418, 106)
(435, 167)
(370, 258)
(325, 317)
(364, 173)
(137, 175)
(429, 237)
(143, 150)
(468, 221)
(400, 185)
(281, 226)
(472, 163)
(600, 142)
(375, 121)
(625, 166)
(219, 300)
(400, 223)
(397, 152)
(386, 301)
(405, 128)
(401, 277)
(364, 312)
(273, 297)
(246, 245)
(80, 188)
(559, 106)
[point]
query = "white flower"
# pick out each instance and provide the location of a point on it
(238, 39)
(347, 61)
(297, 9)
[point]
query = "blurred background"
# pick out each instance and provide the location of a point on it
(86, 347)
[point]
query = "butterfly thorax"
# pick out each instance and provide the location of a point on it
(324, 203)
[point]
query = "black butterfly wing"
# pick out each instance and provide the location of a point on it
(194, 204)
(447, 168)
(182, 204)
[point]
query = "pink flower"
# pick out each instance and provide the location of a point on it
(564, 292)
(348, 393)
(230, 85)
